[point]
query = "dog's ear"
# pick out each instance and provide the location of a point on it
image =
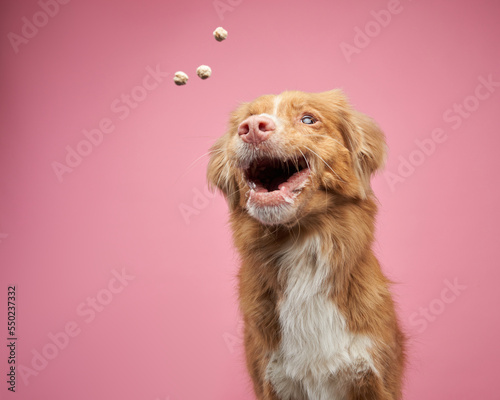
(219, 174)
(365, 140)
(369, 148)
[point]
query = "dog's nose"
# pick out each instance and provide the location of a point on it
(256, 129)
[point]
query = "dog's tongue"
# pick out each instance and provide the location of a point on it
(281, 192)
(261, 197)
(294, 181)
(276, 183)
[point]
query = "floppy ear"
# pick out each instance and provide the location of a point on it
(363, 137)
(219, 174)
(369, 149)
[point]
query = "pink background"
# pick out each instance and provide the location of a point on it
(173, 331)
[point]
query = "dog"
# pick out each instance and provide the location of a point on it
(319, 319)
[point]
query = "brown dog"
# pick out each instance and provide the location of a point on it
(319, 318)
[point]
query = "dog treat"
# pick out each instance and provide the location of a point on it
(204, 71)
(220, 34)
(180, 78)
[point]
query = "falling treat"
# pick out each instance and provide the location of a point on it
(180, 78)
(220, 34)
(204, 71)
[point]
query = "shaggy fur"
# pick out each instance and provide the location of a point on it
(319, 318)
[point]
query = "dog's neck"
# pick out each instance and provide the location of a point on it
(341, 237)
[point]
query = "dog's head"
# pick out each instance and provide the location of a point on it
(283, 155)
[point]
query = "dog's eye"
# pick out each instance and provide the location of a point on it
(308, 120)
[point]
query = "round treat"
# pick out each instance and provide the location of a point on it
(180, 78)
(220, 34)
(204, 71)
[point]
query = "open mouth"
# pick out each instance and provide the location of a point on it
(274, 182)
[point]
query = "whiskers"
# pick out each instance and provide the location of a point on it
(193, 164)
(307, 162)
(233, 193)
(328, 165)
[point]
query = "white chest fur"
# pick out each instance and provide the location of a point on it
(316, 344)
